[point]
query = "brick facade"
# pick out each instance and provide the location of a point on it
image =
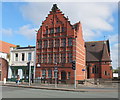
(3, 69)
(98, 60)
(58, 43)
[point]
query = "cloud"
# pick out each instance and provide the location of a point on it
(95, 17)
(27, 31)
(115, 54)
(113, 38)
(7, 32)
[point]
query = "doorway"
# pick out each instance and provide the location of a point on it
(63, 77)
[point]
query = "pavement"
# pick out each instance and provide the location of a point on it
(66, 87)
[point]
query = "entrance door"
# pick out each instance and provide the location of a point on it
(63, 77)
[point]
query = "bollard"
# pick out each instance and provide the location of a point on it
(4, 81)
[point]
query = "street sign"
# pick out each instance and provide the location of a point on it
(83, 69)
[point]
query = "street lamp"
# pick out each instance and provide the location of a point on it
(38, 65)
(56, 70)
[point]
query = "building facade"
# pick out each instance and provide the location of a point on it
(58, 44)
(19, 57)
(3, 69)
(98, 60)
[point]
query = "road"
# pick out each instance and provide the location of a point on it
(17, 92)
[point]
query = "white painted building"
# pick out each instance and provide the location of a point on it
(19, 57)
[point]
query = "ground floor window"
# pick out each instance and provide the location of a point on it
(69, 75)
(49, 73)
(14, 73)
(43, 73)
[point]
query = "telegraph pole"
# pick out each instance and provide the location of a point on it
(28, 64)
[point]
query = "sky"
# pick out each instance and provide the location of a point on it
(99, 21)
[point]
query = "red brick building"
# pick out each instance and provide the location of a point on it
(98, 60)
(58, 44)
(3, 69)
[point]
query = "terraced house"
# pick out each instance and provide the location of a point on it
(58, 44)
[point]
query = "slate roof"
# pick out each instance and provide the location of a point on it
(97, 51)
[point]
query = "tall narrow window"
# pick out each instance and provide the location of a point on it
(16, 57)
(45, 43)
(55, 58)
(50, 58)
(63, 29)
(23, 56)
(57, 29)
(43, 73)
(69, 75)
(29, 56)
(63, 58)
(46, 31)
(69, 57)
(51, 43)
(70, 42)
(63, 42)
(40, 44)
(39, 58)
(57, 43)
(105, 72)
(51, 30)
(49, 73)
(44, 58)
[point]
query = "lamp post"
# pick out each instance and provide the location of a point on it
(56, 70)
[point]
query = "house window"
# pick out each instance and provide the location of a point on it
(29, 56)
(69, 57)
(51, 43)
(45, 43)
(105, 72)
(63, 29)
(50, 58)
(46, 31)
(44, 58)
(43, 73)
(49, 73)
(51, 30)
(69, 75)
(39, 58)
(40, 44)
(63, 42)
(55, 58)
(16, 57)
(23, 56)
(57, 43)
(95, 69)
(70, 42)
(57, 29)
(63, 58)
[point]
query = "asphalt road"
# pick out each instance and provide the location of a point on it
(16, 92)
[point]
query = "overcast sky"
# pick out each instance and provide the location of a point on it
(99, 21)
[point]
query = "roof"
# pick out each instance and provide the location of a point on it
(5, 47)
(97, 51)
